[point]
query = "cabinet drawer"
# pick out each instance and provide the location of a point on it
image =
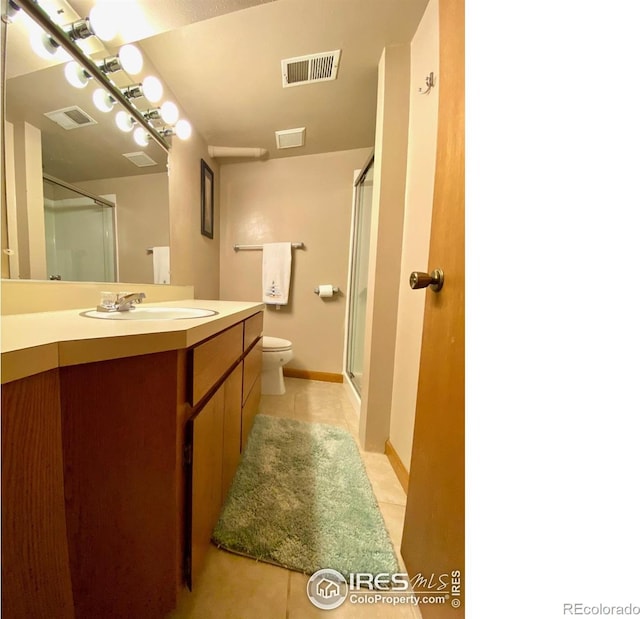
(212, 359)
(252, 369)
(252, 329)
(249, 411)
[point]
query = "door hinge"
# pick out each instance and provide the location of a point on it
(188, 454)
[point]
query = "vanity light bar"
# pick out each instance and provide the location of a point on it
(110, 64)
(133, 92)
(57, 34)
(80, 29)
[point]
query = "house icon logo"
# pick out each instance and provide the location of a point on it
(327, 589)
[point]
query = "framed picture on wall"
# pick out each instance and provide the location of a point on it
(206, 199)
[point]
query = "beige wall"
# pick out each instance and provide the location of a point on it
(387, 214)
(421, 163)
(305, 199)
(142, 220)
(29, 200)
(9, 208)
(195, 259)
(3, 190)
(5, 240)
(23, 296)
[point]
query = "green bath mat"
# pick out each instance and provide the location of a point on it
(301, 499)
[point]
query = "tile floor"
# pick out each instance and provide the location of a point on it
(234, 587)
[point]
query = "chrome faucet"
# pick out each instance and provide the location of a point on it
(122, 303)
(126, 301)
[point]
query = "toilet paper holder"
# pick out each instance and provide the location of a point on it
(335, 290)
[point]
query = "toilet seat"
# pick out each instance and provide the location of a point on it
(275, 344)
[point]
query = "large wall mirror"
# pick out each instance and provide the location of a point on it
(104, 198)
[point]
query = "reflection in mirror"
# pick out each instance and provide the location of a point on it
(79, 234)
(55, 234)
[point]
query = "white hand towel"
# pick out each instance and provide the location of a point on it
(276, 273)
(161, 264)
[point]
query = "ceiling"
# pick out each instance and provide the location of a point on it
(222, 60)
(226, 71)
(137, 20)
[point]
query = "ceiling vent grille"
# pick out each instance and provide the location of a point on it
(312, 68)
(142, 160)
(290, 138)
(71, 117)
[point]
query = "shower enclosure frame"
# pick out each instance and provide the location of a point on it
(99, 201)
(355, 245)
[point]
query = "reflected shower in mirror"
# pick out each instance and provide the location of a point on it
(79, 234)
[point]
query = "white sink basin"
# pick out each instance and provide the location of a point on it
(151, 313)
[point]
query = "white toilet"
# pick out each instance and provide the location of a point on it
(275, 353)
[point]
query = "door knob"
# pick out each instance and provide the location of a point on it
(423, 280)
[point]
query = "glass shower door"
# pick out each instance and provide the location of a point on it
(79, 233)
(359, 276)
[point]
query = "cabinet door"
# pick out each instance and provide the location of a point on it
(120, 485)
(252, 369)
(36, 580)
(250, 410)
(205, 496)
(232, 428)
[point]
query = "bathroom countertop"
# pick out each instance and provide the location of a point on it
(37, 342)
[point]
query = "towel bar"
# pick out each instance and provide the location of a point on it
(259, 247)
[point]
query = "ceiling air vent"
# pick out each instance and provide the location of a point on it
(312, 68)
(290, 138)
(71, 117)
(142, 160)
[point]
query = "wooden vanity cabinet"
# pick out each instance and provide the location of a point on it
(123, 479)
(232, 443)
(35, 562)
(215, 432)
(250, 390)
(215, 365)
(114, 474)
(251, 383)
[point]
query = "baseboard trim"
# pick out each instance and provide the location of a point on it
(396, 464)
(328, 377)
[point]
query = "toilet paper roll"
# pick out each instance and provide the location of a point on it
(325, 290)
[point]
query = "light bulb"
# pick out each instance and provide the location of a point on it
(130, 59)
(124, 121)
(169, 112)
(103, 20)
(103, 100)
(45, 47)
(183, 129)
(152, 88)
(76, 75)
(141, 137)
